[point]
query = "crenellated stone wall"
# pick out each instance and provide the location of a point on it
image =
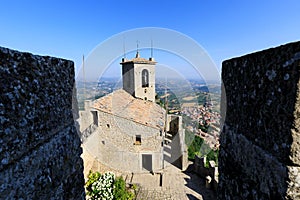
(260, 141)
(39, 144)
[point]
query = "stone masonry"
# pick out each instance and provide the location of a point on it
(260, 141)
(39, 144)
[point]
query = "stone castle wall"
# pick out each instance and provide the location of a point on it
(39, 145)
(112, 144)
(260, 141)
(175, 151)
(85, 118)
(122, 132)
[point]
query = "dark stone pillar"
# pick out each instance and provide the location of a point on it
(39, 145)
(260, 142)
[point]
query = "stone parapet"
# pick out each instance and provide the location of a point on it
(259, 152)
(39, 145)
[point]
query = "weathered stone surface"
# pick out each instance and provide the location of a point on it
(260, 139)
(293, 191)
(39, 145)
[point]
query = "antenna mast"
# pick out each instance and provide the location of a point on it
(137, 49)
(124, 47)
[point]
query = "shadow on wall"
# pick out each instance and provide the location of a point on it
(197, 184)
(174, 142)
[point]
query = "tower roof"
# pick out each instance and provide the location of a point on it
(139, 60)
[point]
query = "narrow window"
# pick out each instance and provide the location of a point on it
(138, 140)
(145, 78)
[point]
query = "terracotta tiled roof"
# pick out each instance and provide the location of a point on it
(122, 104)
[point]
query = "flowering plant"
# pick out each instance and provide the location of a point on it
(107, 187)
(100, 186)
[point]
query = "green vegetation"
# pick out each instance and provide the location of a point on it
(106, 186)
(194, 147)
(213, 155)
(120, 190)
(172, 100)
(201, 98)
(197, 146)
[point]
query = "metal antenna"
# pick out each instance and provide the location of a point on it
(137, 49)
(124, 46)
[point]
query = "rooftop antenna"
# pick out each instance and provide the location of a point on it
(151, 57)
(124, 47)
(137, 49)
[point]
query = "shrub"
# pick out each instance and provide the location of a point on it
(213, 155)
(194, 148)
(120, 191)
(100, 186)
(107, 187)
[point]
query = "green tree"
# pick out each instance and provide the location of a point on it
(194, 148)
(213, 155)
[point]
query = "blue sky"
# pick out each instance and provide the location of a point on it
(224, 28)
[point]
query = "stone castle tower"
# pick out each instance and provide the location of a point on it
(138, 76)
(132, 130)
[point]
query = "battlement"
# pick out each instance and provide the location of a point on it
(260, 141)
(40, 147)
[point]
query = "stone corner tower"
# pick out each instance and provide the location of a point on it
(138, 76)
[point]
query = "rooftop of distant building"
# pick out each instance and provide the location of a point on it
(122, 104)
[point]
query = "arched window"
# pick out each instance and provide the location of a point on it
(145, 78)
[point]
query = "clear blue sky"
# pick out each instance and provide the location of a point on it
(224, 28)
